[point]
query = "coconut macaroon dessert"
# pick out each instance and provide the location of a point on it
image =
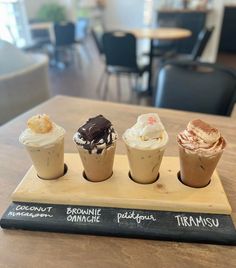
(44, 141)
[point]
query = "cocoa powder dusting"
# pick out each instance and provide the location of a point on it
(198, 123)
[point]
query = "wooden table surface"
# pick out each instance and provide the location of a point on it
(41, 249)
(158, 33)
(161, 33)
(41, 26)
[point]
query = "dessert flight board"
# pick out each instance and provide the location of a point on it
(165, 209)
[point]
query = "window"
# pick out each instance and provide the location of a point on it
(14, 24)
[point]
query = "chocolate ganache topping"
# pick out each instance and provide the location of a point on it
(96, 134)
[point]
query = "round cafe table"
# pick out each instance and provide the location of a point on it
(162, 34)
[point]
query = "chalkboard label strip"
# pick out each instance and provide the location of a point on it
(147, 224)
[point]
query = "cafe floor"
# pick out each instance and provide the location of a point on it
(82, 76)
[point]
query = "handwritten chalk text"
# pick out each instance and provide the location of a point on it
(29, 214)
(132, 215)
(189, 221)
(83, 215)
(33, 208)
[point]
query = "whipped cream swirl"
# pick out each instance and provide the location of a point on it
(148, 133)
(201, 138)
(34, 139)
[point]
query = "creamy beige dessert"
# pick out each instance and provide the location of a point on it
(96, 143)
(145, 143)
(44, 141)
(200, 148)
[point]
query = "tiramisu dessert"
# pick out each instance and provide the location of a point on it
(200, 148)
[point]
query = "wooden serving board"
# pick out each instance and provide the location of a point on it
(119, 191)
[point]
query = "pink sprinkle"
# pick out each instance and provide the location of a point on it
(151, 120)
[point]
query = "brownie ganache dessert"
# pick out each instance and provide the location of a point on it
(96, 135)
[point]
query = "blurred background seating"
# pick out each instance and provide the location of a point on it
(23, 81)
(40, 37)
(198, 48)
(97, 32)
(64, 34)
(194, 21)
(197, 87)
(120, 52)
(70, 34)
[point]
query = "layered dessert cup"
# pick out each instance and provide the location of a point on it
(145, 143)
(96, 144)
(200, 148)
(44, 141)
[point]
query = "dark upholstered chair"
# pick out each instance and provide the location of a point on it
(97, 32)
(119, 49)
(198, 49)
(64, 34)
(64, 41)
(202, 41)
(194, 21)
(198, 87)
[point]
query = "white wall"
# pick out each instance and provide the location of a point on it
(33, 6)
(230, 2)
(215, 18)
(124, 14)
